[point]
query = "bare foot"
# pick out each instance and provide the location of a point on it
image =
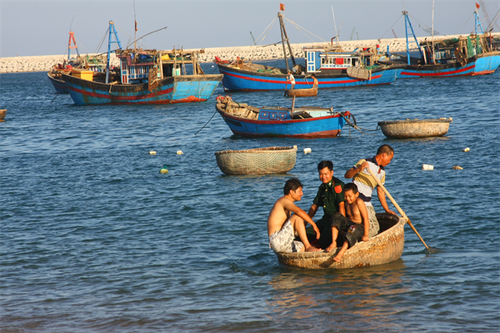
(312, 249)
(338, 258)
(331, 247)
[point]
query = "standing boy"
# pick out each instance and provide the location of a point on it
(283, 227)
(330, 196)
(356, 225)
(290, 78)
(366, 183)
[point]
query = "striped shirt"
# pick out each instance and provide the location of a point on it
(365, 182)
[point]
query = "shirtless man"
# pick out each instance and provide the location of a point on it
(356, 225)
(282, 226)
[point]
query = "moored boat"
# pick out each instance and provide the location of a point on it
(275, 121)
(304, 92)
(415, 128)
(333, 67)
(383, 248)
(258, 161)
(475, 54)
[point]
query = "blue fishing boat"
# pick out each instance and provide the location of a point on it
(332, 66)
(274, 121)
(145, 77)
(476, 54)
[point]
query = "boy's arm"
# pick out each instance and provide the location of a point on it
(313, 210)
(342, 208)
(365, 219)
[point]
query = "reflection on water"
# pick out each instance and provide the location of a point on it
(354, 298)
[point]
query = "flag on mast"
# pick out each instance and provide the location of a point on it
(282, 7)
(477, 5)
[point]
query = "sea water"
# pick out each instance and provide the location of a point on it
(94, 238)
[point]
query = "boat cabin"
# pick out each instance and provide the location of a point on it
(328, 59)
(136, 66)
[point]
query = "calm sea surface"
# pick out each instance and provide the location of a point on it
(94, 239)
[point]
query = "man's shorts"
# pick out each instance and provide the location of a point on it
(284, 239)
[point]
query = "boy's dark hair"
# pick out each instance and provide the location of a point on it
(351, 187)
(325, 164)
(385, 149)
(292, 184)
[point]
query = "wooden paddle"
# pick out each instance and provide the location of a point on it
(397, 206)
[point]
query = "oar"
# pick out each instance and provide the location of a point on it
(397, 206)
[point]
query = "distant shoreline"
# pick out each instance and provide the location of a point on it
(270, 52)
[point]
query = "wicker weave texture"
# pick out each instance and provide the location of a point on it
(380, 249)
(259, 161)
(406, 129)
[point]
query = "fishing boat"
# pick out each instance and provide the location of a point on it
(475, 54)
(258, 161)
(382, 248)
(274, 121)
(415, 128)
(333, 67)
(145, 77)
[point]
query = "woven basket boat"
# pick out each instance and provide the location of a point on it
(259, 161)
(383, 248)
(416, 128)
(3, 112)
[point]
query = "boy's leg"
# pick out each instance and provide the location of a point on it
(335, 234)
(300, 227)
(338, 257)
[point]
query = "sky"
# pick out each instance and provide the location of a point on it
(36, 27)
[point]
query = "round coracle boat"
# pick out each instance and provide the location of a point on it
(258, 161)
(382, 248)
(415, 128)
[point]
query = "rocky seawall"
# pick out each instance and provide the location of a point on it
(275, 51)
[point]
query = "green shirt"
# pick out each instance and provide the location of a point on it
(329, 197)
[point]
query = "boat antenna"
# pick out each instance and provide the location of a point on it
(149, 33)
(433, 55)
(135, 32)
(335, 24)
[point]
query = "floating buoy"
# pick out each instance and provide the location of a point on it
(466, 149)
(307, 150)
(152, 152)
(179, 152)
(457, 167)
(427, 167)
(164, 170)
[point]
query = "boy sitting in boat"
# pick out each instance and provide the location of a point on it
(283, 227)
(356, 225)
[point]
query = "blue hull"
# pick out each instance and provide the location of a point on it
(240, 80)
(321, 127)
(479, 65)
(178, 89)
(59, 85)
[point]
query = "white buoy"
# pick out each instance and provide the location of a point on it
(307, 150)
(466, 149)
(427, 167)
(152, 152)
(179, 152)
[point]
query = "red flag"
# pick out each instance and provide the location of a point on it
(477, 5)
(282, 7)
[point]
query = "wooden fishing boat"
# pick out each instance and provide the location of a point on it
(3, 113)
(333, 67)
(415, 128)
(146, 77)
(275, 121)
(258, 161)
(475, 54)
(383, 248)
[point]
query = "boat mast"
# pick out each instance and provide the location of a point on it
(72, 38)
(432, 43)
(284, 37)
(408, 25)
(111, 30)
(477, 21)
